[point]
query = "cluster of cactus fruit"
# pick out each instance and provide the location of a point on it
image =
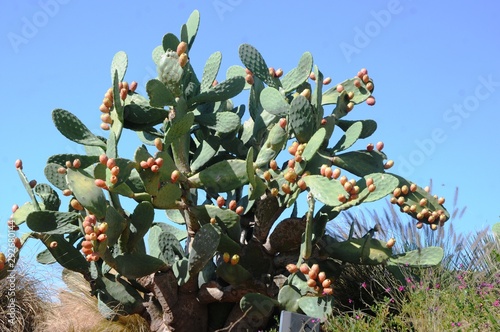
(201, 152)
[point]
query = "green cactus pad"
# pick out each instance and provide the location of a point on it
(24, 210)
(73, 129)
(317, 307)
(159, 94)
(86, 192)
(288, 298)
(49, 197)
(233, 274)
(361, 162)
(205, 151)
(45, 257)
(325, 190)
(360, 94)
(164, 245)
(302, 119)
(181, 273)
(170, 42)
(258, 306)
(188, 34)
(142, 218)
(203, 248)
(179, 128)
(272, 146)
(167, 196)
(175, 216)
(317, 93)
(360, 251)
(254, 61)
(119, 292)
(342, 107)
(298, 75)
(52, 222)
(180, 234)
(222, 91)
(65, 254)
(136, 265)
(56, 179)
(223, 176)
(222, 122)
(429, 256)
(369, 126)
(228, 220)
(351, 135)
(61, 159)
(119, 64)
(116, 225)
(274, 102)
(314, 144)
(210, 71)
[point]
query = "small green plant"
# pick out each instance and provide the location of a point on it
(219, 178)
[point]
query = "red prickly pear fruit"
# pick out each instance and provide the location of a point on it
(155, 168)
(419, 225)
(433, 227)
(68, 164)
(369, 86)
(87, 251)
(151, 162)
(357, 83)
(359, 74)
(306, 93)
(17, 243)
(93, 257)
(343, 179)
(2, 265)
(125, 85)
(32, 184)
(248, 72)
(235, 259)
(370, 101)
(109, 94)
(67, 192)
(226, 257)
(292, 268)
(182, 48)
(441, 200)
(89, 230)
(340, 88)
(174, 176)
(292, 149)
(312, 76)
(322, 169)
(315, 268)
(144, 164)
(272, 72)
(133, 86)
(213, 221)
(328, 291)
(100, 183)
(77, 163)
(393, 200)
(285, 187)
(405, 190)
(220, 201)
(102, 237)
(369, 181)
(14, 208)
(75, 204)
(348, 186)
(111, 163)
(123, 94)
(107, 102)
(350, 95)
(103, 159)
(183, 59)
(291, 163)
(328, 172)
(350, 106)
(321, 277)
(273, 165)
(279, 72)
(104, 109)
(53, 244)
(290, 175)
(302, 184)
(232, 205)
(401, 200)
(158, 144)
(267, 175)
(282, 123)
(86, 244)
(3, 259)
(389, 164)
(311, 282)
(427, 189)
(249, 79)
(159, 162)
(215, 82)
(369, 147)
(390, 243)
(326, 283)
(113, 179)
(304, 268)
(423, 202)
(323, 121)
(93, 236)
(366, 78)
(327, 81)
(274, 192)
(363, 71)
(115, 171)
(239, 210)
(61, 170)
(397, 192)
(336, 173)
(380, 146)
(103, 227)
(106, 118)
(298, 158)
(105, 126)
(342, 198)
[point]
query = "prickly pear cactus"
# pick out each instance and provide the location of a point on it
(207, 189)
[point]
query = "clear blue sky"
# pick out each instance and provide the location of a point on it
(435, 66)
